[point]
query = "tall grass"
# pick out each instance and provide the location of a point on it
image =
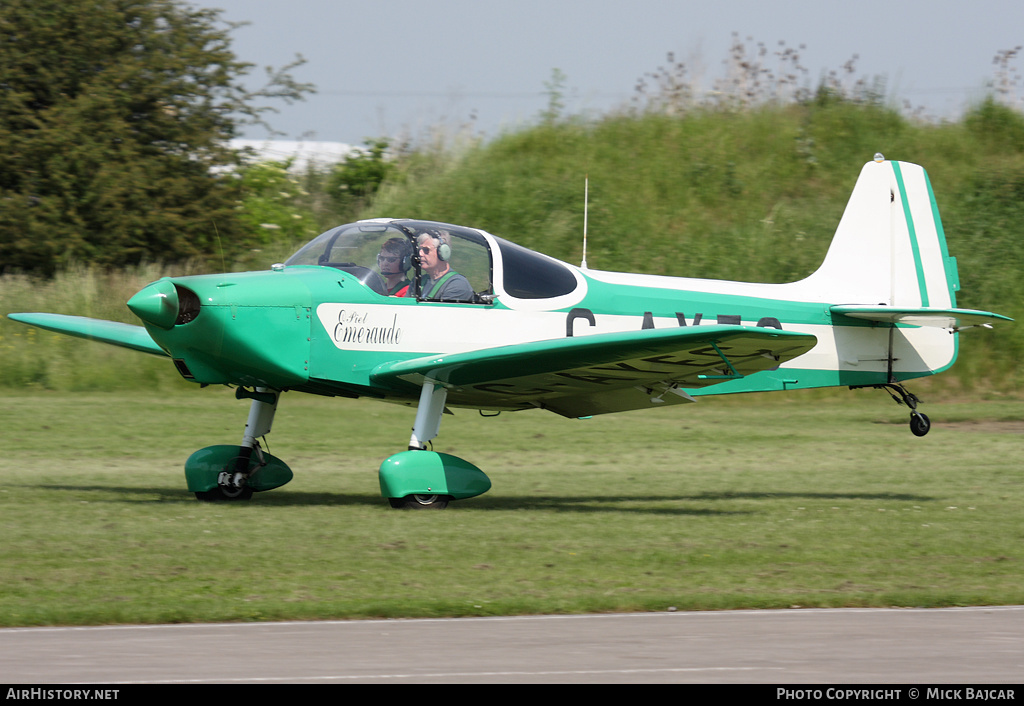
(39, 359)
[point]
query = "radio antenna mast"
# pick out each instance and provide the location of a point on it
(586, 199)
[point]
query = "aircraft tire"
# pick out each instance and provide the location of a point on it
(919, 424)
(218, 494)
(420, 502)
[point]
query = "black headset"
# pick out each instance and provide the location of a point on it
(406, 250)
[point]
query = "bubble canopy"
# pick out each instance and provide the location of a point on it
(372, 250)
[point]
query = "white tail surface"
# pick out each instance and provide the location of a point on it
(889, 248)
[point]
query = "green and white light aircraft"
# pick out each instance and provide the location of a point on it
(440, 316)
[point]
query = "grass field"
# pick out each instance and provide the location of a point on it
(771, 501)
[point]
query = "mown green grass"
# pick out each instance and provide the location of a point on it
(807, 499)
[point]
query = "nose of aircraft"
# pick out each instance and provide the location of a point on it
(156, 303)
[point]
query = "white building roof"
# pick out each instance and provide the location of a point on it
(305, 153)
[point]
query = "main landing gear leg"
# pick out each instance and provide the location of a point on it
(231, 482)
(422, 479)
(428, 415)
(229, 472)
(261, 418)
(919, 422)
(426, 428)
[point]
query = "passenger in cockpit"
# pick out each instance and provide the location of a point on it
(439, 280)
(394, 263)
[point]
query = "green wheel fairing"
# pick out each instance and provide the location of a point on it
(431, 473)
(205, 465)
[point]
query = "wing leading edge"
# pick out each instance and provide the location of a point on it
(600, 373)
(112, 332)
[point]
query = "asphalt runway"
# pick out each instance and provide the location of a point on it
(971, 646)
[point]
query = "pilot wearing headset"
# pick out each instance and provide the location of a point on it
(394, 263)
(439, 281)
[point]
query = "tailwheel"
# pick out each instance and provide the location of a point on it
(420, 502)
(919, 423)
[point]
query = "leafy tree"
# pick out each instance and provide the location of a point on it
(354, 180)
(115, 117)
(274, 203)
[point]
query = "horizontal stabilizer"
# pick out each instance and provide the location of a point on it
(954, 319)
(112, 332)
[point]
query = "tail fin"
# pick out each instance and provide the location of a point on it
(888, 264)
(889, 249)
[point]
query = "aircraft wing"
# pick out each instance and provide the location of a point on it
(955, 319)
(613, 372)
(112, 332)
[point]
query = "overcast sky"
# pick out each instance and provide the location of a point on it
(403, 67)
